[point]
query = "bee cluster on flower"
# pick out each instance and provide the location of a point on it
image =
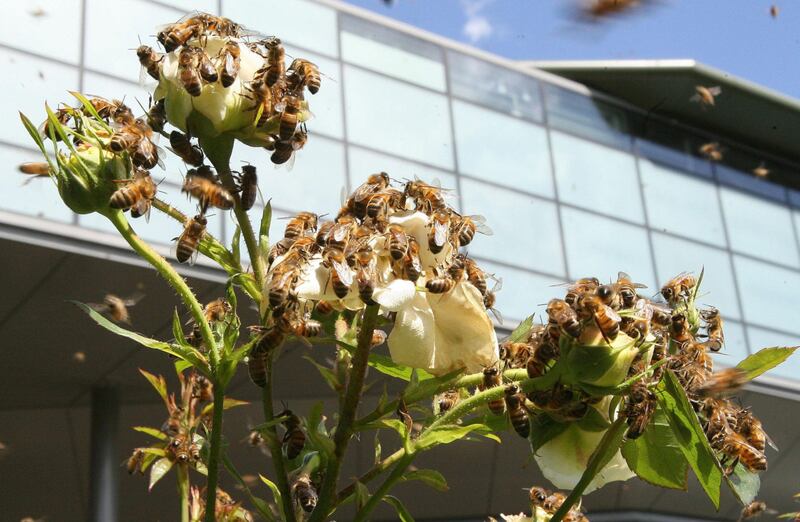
(226, 509)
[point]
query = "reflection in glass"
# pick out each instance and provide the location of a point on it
(681, 204)
(768, 294)
(674, 256)
(602, 247)
(759, 227)
(35, 197)
(761, 338)
(508, 91)
(750, 183)
(527, 236)
(483, 136)
(671, 145)
(597, 177)
(388, 115)
(54, 33)
(522, 293)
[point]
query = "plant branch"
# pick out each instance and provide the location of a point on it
(214, 451)
(347, 412)
(376, 470)
(183, 491)
(274, 445)
(395, 476)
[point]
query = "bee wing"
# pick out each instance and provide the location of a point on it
(696, 98)
(715, 91)
(98, 307)
(497, 315)
(339, 232)
(498, 283)
(344, 272)
(612, 314)
(484, 229)
(770, 441)
(143, 207)
(440, 232)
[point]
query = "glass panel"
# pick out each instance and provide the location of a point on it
(327, 103)
(597, 177)
(494, 86)
(204, 6)
(768, 293)
(483, 138)
(392, 53)
(672, 145)
(37, 197)
(47, 27)
(314, 184)
(113, 51)
(681, 204)
(388, 115)
(735, 345)
(586, 116)
(531, 238)
(761, 338)
(750, 183)
(302, 23)
(674, 256)
(28, 85)
(750, 219)
(522, 293)
(602, 247)
(136, 96)
(276, 227)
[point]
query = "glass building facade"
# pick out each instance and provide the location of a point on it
(572, 182)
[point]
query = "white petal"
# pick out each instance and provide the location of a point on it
(412, 340)
(522, 517)
(395, 295)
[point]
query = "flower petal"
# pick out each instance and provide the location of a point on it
(412, 341)
(395, 295)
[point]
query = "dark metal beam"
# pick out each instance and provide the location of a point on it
(104, 468)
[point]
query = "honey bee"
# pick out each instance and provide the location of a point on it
(752, 510)
(307, 328)
(157, 115)
(515, 355)
(114, 110)
(516, 411)
(294, 439)
(705, 96)
(257, 369)
(202, 389)
(490, 297)
(188, 62)
(116, 307)
(680, 329)
(379, 204)
(283, 277)
(441, 284)
(637, 325)
(639, 406)
(269, 340)
(134, 462)
(177, 34)
(412, 266)
(560, 313)
(248, 186)
(193, 232)
(323, 231)
(447, 400)
(182, 146)
(378, 338)
(723, 382)
(475, 275)
(290, 117)
(340, 233)
(303, 73)
(178, 449)
(554, 501)
(136, 138)
(300, 224)
(276, 67)
(63, 116)
(536, 365)
(427, 198)
(761, 171)
(713, 321)
(261, 95)
(216, 310)
(599, 8)
(751, 429)
(304, 493)
(366, 262)
(774, 11)
(580, 287)
(208, 192)
(284, 149)
(678, 287)
(136, 194)
(735, 446)
(150, 60)
(206, 68)
(357, 203)
(231, 62)
(438, 232)
(711, 151)
(35, 169)
(340, 273)
(397, 241)
(606, 319)
(537, 496)
(492, 378)
(626, 289)
(465, 227)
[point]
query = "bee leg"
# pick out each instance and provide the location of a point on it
(596, 322)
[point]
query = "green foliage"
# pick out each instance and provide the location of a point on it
(429, 477)
(765, 359)
(744, 484)
(158, 434)
(521, 332)
(159, 469)
(656, 457)
(402, 513)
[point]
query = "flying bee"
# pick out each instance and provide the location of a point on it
(216, 310)
(35, 169)
(290, 117)
(300, 224)
(492, 378)
(412, 266)
(723, 382)
(752, 510)
(447, 400)
(678, 287)
(438, 231)
(294, 439)
(560, 313)
(774, 11)
(188, 62)
(303, 73)
(182, 146)
(150, 61)
(231, 62)
(515, 355)
(341, 274)
(276, 56)
(398, 241)
(705, 96)
(137, 193)
(465, 227)
(606, 319)
(208, 192)
(134, 462)
(193, 232)
(157, 115)
(713, 320)
(516, 411)
(257, 369)
(737, 448)
(600, 8)
(711, 151)
(116, 307)
(761, 171)
(304, 493)
(638, 409)
(379, 204)
(580, 287)
(206, 67)
(427, 198)
(357, 203)
(248, 186)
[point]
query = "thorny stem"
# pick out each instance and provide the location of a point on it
(347, 412)
(376, 470)
(395, 476)
(214, 451)
(183, 491)
(274, 445)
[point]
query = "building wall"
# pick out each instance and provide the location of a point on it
(571, 185)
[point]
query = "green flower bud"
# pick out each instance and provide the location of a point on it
(594, 360)
(86, 177)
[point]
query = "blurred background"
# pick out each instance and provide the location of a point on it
(579, 142)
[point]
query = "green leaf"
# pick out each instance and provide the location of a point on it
(259, 504)
(158, 434)
(266, 221)
(235, 247)
(765, 360)
(402, 513)
(377, 449)
(330, 377)
(744, 484)
(158, 383)
(690, 436)
(159, 469)
(543, 429)
(385, 424)
(430, 477)
(227, 404)
(429, 385)
(361, 494)
(276, 493)
(177, 328)
(655, 456)
(521, 332)
(34, 132)
(386, 366)
(149, 458)
(446, 435)
(318, 434)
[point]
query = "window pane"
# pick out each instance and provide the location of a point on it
(112, 50)
(327, 103)
(769, 294)
(672, 145)
(674, 256)
(505, 150)
(530, 238)
(47, 27)
(388, 115)
(298, 22)
(681, 204)
(735, 345)
(28, 83)
(761, 338)
(203, 6)
(759, 227)
(749, 183)
(602, 247)
(494, 86)
(596, 177)
(314, 184)
(392, 53)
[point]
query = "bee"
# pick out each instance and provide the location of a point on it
(447, 400)
(257, 369)
(269, 340)
(207, 191)
(157, 115)
(465, 227)
(136, 194)
(284, 149)
(705, 96)
(248, 186)
(216, 310)
(412, 266)
(378, 338)
(536, 365)
(580, 287)
(63, 116)
(303, 73)
(202, 389)
(397, 241)
(379, 204)
(516, 411)
(492, 378)
(178, 449)
(441, 284)
(298, 225)
(537, 496)
(515, 355)
(560, 313)
(307, 327)
(294, 439)
(554, 501)
(678, 287)
(427, 198)
(438, 231)
(626, 289)
(340, 273)
(490, 297)
(711, 151)
(136, 138)
(598, 8)
(475, 275)
(723, 382)
(188, 62)
(276, 67)
(357, 203)
(606, 319)
(637, 325)
(340, 233)
(231, 62)
(114, 110)
(206, 68)
(323, 231)
(752, 510)
(150, 60)
(182, 146)
(134, 462)
(751, 429)
(254, 438)
(290, 117)
(193, 232)
(679, 329)
(736, 447)
(304, 493)
(774, 11)
(283, 277)
(37, 169)
(639, 406)
(609, 296)
(261, 95)
(713, 321)
(194, 452)
(366, 262)
(761, 171)
(117, 307)
(177, 34)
